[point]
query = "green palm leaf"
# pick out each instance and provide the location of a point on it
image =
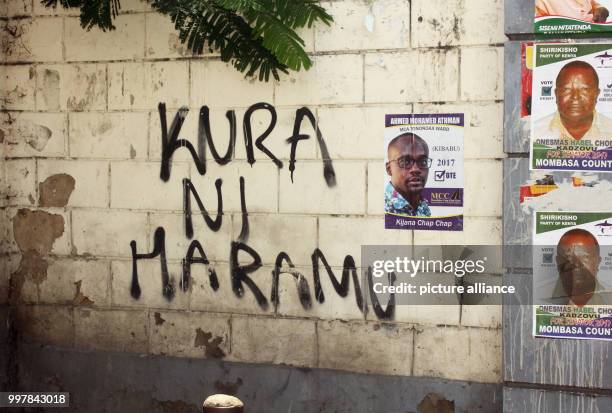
(256, 36)
(99, 13)
(274, 21)
(64, 3)
(202, 23)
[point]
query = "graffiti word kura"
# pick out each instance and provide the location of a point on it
(240, 271)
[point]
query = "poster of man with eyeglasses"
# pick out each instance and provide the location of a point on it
(424, 171)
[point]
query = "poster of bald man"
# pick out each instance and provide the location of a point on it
(424, 172)
(571, 107)
(572, 16)
(572, 275)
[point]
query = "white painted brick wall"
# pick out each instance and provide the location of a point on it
(376, 188)
(210, 85)
(471, 22)
(413, 76)
(127, 190)
(362, 25)
(115, 135)
(85, 104)
(30, 134)
(32, 40)
(482, 73)
(334, 79)
(366, 347)
(268, 238)
(309, 192)
(125, 42)
(107, 232)
(484, 199)
(143, 85)
(294, 341)
(162, 40)
(71, 87)
(18, 87)
(458, 353)
(354, 132)
(20, 182)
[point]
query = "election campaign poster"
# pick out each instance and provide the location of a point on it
(424, 171)
(572, 275)
(571, 107)
(560, 17)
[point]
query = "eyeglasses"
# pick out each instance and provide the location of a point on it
(406, 162)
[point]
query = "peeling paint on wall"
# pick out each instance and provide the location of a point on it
(435, 403)
(35, 232)
(210, 344)
(158, 319)
(55, 191)
(15, 130)
(79, 297)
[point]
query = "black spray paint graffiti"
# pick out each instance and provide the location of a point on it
(189, 191)
(171, 142)
(240, 272)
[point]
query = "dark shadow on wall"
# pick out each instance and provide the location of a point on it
(118, 383)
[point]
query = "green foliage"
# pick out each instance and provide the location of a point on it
(202, 23)
(274, 21)
(98, 13)
(257, 37)
(63, 3)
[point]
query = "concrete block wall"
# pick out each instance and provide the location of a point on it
(81, 160)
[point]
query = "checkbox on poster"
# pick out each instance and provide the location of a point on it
(439, 175)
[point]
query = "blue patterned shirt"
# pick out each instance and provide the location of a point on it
(395, 203)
